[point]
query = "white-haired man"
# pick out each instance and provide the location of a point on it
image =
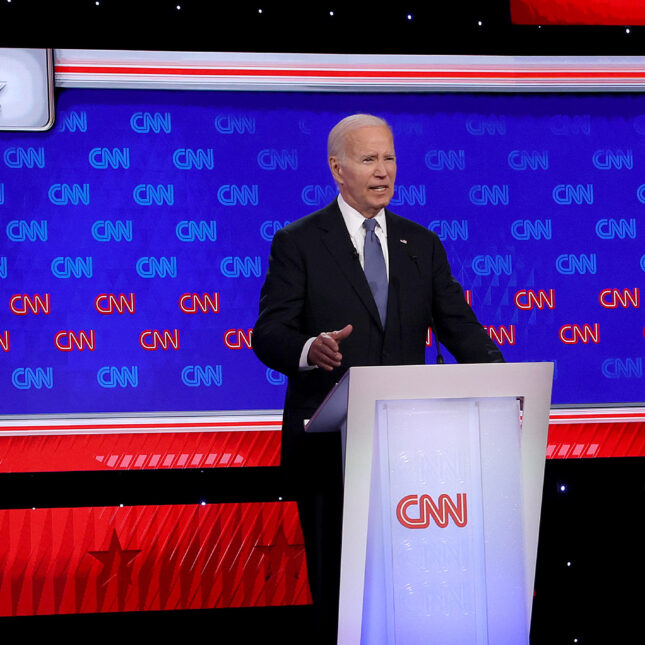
(351, 284)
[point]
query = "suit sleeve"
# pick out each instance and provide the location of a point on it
(455, 323)
(278, 338)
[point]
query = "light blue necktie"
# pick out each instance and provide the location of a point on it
(374, 268)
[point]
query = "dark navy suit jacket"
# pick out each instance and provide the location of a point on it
(315, 283)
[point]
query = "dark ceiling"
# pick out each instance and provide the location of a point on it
(448, 27)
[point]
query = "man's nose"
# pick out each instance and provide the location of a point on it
(379, 168)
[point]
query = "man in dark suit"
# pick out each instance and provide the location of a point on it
(342, 291)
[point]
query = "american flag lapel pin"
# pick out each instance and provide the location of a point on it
(403, 241)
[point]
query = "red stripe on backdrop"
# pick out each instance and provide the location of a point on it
(589, 440)
(100, 427)
(139, 451)
(586, 416)
(350, 73)
(577, 12)
(147, 558)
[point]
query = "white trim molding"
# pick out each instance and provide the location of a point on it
(346, 73)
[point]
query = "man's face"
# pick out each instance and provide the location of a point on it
(365, 174)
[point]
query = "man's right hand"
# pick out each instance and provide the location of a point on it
(325, 350)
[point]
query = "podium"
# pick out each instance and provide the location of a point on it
(443, 476)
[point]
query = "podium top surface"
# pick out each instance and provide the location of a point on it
(431, 381)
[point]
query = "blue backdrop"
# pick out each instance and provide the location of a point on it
(135, 236)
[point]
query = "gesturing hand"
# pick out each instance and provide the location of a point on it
(324, 351)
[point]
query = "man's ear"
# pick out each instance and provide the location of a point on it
(336, 169)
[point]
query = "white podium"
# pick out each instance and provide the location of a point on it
(444, 467)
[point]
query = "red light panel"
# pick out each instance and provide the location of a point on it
(138, 451)
(597, 439)
(577, 12)
(146, 558)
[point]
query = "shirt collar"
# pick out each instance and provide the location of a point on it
(354, 220)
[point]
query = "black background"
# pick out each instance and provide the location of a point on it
(437, 27)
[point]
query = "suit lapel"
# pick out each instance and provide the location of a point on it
(398, 260)
(397, 248)
(336, 238)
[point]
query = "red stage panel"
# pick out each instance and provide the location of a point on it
(577, 12)
(139, 451)
(602, 439)
(72, 445)
(146, 558)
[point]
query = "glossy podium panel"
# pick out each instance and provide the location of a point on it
(444, 545)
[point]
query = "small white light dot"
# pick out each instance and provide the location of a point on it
(259, 10)
(409, 16)
(563, 488)
(203, 503)
(480, 23)
(178, 7)
(569, 563)
(120, 505)
(628, 30)
(331, 13)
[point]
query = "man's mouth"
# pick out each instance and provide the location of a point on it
(379, 189)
